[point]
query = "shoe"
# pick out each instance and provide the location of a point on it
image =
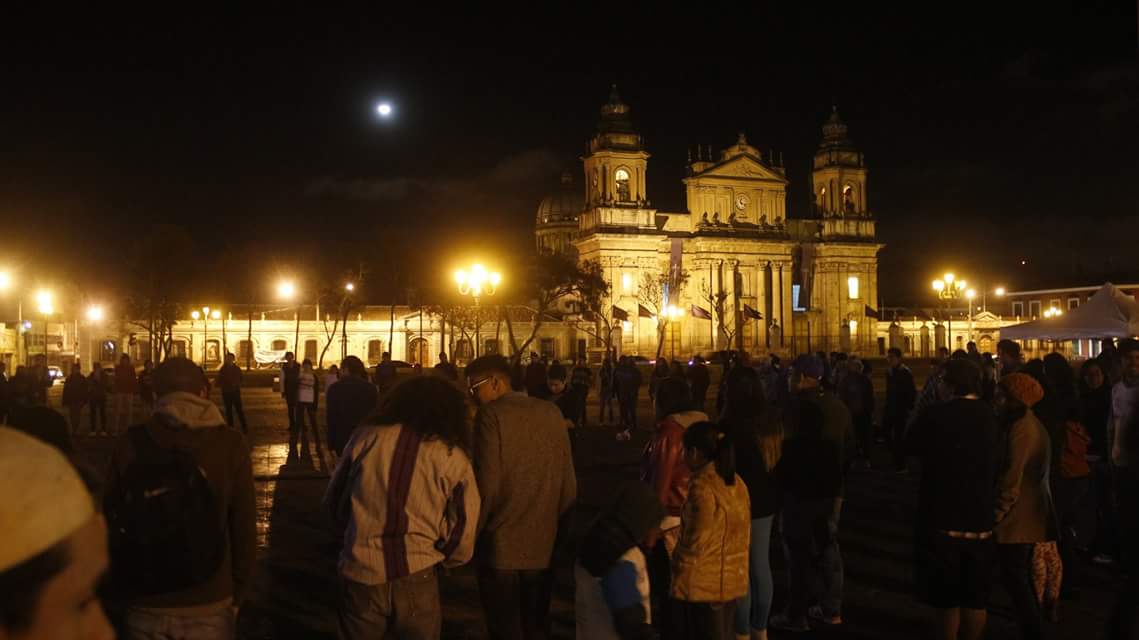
(783, 623)
(815, 613)
(1103, 559)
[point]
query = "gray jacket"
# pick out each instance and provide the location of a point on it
(525, 473)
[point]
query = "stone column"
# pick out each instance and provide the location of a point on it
(761, 306)
(785, 320)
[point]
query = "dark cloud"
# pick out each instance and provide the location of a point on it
(520, 173)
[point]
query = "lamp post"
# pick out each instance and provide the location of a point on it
(349, 289)
(949, 288)
(287, 291)
(673, 314)
(477, 282)
(94, 316)
(46, 307)
(970, 294)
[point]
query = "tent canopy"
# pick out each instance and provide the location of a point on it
(1109, 313)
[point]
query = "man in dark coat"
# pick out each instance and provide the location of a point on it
(348, 402)
(900, 396)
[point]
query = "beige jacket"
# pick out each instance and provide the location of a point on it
(1024, 502)
(710, 563)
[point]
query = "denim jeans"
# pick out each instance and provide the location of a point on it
(406, 608)
(148, 625)
(754, 607)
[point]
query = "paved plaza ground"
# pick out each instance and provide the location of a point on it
(294, 587)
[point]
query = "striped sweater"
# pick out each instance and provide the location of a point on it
(406, 504)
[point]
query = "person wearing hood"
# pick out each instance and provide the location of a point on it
(664, 469)
(1023, 513)
(611, 577)
(179, 500)
(54, 554)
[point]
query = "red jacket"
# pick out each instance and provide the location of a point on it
(663, 466)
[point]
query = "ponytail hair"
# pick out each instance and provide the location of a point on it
(713, 444)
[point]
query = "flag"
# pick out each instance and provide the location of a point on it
(642, 312)
(703, 314)
(620, 314)
(752, 314)
(871, 313)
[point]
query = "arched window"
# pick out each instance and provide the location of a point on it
(244, 350)
(375, 351)
(178, 349)
(848, 199)
(462, 352)
(280, 345)
(621, 178)
(418, 352)
(310, 351)
(213, 351)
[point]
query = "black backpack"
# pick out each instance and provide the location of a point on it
(165, 532)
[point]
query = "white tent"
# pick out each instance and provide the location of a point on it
(1109, 313)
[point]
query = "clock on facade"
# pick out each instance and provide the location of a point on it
(741, 202)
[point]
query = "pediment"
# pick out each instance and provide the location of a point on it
(741, 166)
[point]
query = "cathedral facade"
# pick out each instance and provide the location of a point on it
(732, 270)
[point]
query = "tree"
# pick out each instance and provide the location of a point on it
(594, 298)
(345, 300)
(655, 292)
(160, 273)
(550, 278)
(718, 300)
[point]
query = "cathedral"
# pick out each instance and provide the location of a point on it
(733, 270)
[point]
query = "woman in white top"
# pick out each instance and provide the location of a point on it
(307, 394)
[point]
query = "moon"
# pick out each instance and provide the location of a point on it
(384, 109)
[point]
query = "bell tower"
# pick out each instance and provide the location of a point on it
(838, 180)
(616, 160)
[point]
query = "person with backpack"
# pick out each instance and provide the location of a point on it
(405, 495)
(180, 510)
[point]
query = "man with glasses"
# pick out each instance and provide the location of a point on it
(526, 478)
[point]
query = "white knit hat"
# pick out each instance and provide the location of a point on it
(42, 499)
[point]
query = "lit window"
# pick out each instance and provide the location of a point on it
(853, 327)
(627, 282)
(621, 177)
(852, 287)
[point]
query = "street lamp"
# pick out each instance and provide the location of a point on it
(287, 291)
(45, 303)
(970, 295)
(949, 288)
(673, 314)
(477, 282)
(349, 289)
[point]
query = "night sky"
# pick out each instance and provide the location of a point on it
(990, 139)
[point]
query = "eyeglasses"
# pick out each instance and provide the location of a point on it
(472, 389)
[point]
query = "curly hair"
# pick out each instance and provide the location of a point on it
(429, 406)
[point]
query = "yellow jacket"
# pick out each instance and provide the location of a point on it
(710, 563)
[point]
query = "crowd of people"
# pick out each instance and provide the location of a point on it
(1024, 466)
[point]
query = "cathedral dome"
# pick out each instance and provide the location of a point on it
(564, 205)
